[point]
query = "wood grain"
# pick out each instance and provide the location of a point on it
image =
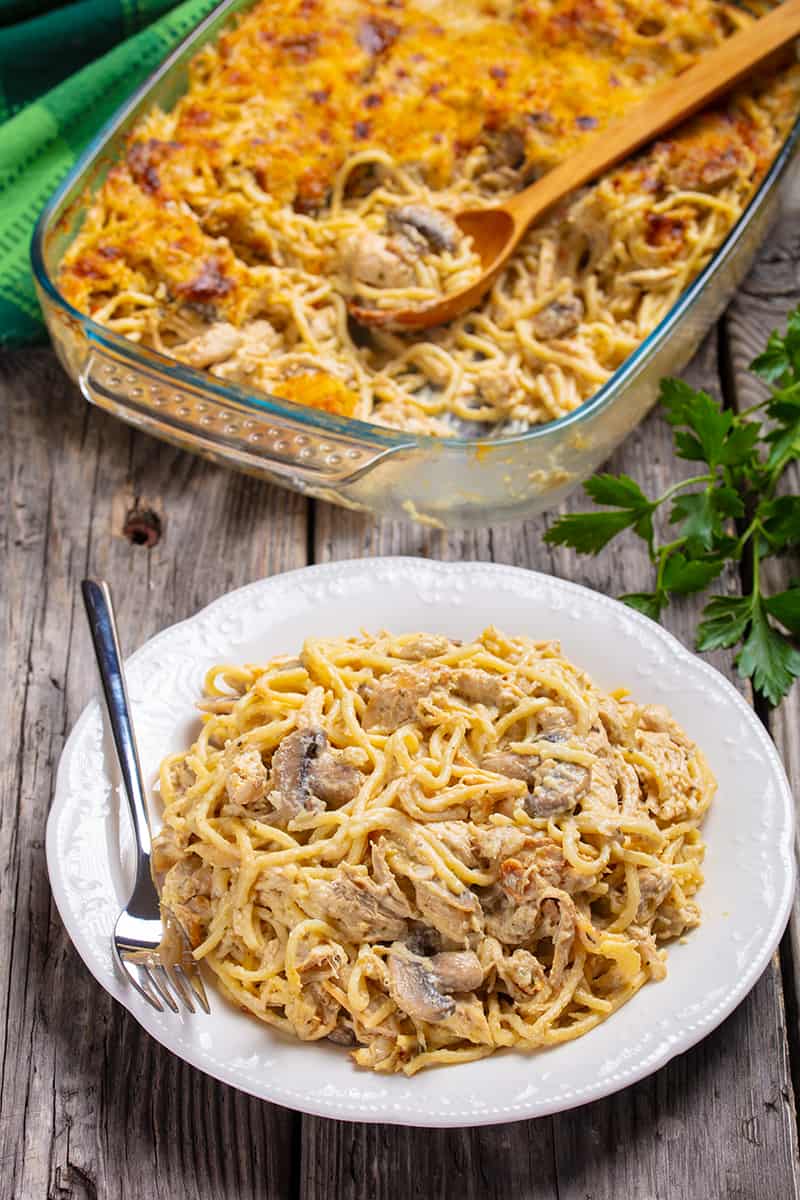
(91, 1106)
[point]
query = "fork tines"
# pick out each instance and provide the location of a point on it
(158, 984)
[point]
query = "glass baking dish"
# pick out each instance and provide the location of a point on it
(441, 482)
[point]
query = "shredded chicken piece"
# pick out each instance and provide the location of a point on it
(456, 917)
(468, 1020)
(313, 1012)
(654, 885)
(394, 700)
(246, 777)
(481, 687)
(187, 892)
(672, 920)
(556, 723)
(493, 843)
(422, 645)
(521, 973)
(322, 961)
(372, 259)
(215, 344)
(168, 849)
(508, 918)
(496, 386)
(366, 911)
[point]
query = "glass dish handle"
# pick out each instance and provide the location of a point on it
(202, 422)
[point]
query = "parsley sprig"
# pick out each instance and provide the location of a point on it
(728, 512)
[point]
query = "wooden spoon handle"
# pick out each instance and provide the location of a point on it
(669, 104)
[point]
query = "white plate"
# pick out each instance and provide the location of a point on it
(749, 864)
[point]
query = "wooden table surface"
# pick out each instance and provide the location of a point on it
(90, 1106)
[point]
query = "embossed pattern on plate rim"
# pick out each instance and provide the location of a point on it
(86, 905)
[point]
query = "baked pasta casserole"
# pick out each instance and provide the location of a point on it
(317, 158)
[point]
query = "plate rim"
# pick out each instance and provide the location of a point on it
(668, 1047)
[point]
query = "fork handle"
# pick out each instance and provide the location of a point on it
(103, 627)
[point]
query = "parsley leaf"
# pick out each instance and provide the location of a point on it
(780, 522)
(649, 603)
(731, 506)
(588, 533)
(785, 607)
(767, 657)
(709, 423)
(619, 490)
(682, 575)
(773, 363)
(701, 522)
(725, 619)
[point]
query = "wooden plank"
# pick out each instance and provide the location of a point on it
(769, 294)
(90, 1106)
(718, 1121)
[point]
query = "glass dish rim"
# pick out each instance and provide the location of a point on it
(352, 427)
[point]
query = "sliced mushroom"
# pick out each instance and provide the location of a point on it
(559, 318)
(424, 227)
(342, 1035)
(514, 766)
(306, 775)
(333, 781)
(558, 788)
(424, 941)
(412, 986)
(457, 970)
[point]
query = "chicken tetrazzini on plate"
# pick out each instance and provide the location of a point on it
(427, 850)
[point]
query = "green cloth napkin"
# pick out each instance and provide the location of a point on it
(45, 46)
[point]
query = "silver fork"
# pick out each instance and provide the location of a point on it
(141, 936)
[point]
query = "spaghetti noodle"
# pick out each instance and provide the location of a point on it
(319, 152)
(428, 850)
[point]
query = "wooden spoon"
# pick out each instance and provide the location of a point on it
(496, 231)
